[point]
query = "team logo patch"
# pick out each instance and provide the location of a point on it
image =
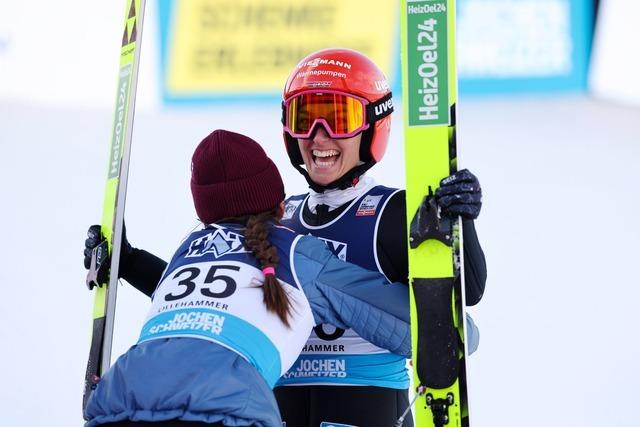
(218, 242)
(368, 206)
(290, 208)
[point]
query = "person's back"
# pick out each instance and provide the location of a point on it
(213, 288)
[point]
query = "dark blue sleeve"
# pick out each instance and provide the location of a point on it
(349, 296)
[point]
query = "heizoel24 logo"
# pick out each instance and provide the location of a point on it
(428, 62)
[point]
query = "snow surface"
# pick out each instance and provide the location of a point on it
(559, 228)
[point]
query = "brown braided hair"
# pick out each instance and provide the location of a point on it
(257, 240)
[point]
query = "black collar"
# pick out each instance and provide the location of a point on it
(322, 215)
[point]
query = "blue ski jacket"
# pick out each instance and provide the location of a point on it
(210, 351)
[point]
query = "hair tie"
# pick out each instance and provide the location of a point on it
(269, 270)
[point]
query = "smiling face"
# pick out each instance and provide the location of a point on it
(327, 159)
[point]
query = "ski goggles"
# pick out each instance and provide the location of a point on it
(342, 115)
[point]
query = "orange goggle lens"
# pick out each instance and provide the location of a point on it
(342, 115)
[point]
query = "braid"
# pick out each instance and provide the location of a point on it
(257, 239)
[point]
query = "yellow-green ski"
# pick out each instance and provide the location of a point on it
(114, 200)
(429, 92)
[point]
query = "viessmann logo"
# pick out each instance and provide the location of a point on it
(323, 61)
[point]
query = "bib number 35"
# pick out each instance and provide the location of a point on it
(216, 283)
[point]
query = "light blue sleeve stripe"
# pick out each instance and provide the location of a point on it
(223, 328)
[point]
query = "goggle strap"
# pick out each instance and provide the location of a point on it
(379, 109)
(283, 119)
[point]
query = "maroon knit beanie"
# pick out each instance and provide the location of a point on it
(232, 176)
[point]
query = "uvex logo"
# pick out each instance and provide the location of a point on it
(381, 85)
(384, 107)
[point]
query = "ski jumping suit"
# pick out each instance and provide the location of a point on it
(311, 393)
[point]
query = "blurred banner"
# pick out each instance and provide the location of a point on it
(512, 46)
(218, 49)
(214, 50)
(221, 49)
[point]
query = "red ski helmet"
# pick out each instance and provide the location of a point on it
(344, 74)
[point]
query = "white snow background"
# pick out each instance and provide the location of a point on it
(559, 227)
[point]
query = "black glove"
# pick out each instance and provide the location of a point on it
(94, 240)
(460, 195)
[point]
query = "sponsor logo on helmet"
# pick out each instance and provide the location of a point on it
(382, 85)
(318, 84)
(322, 61)
(379, 110)
(307, 73)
